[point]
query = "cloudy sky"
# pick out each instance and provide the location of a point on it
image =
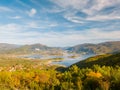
(59, 22)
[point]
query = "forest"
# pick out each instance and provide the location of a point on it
(23, 76)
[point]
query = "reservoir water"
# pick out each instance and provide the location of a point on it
(70, 61)
(67, 60)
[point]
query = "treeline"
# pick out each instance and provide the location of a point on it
(94, 78)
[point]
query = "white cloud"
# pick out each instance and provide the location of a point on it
(76, 4)
(73, 18)
(10, 27)
(103, 17)
(37, 24)
(37, 31)
(5, 9)
(98, 5)
(17, 34)
(32, 24)
(89, 6)
(92, 8)
(32, 12)
(15, 17)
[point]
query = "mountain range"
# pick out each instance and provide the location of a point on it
(101, 48)
(29, 49)
(88, 48)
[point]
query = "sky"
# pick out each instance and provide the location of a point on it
(59, 22)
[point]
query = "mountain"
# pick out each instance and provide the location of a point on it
(35, 49)
(101, 48)
(102, 60)
(5, 47)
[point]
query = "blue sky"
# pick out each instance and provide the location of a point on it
(59, 22)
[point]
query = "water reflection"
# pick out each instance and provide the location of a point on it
(67, 60)
(70, 61)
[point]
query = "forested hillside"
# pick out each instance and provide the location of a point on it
(102, 60)
(101, 48)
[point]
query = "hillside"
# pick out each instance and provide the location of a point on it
(101, 48)
(5, 47)
(102, 60)
(35, 48)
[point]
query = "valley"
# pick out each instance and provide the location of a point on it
(57, 55)
(39, 67)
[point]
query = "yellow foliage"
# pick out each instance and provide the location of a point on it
(94, 74)
(16, 82)
(44, 77)
(28, 75)
(37, 78)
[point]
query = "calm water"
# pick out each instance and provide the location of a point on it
(70, 61)
(67, 60)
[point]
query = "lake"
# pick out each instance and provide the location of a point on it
(67, 60)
